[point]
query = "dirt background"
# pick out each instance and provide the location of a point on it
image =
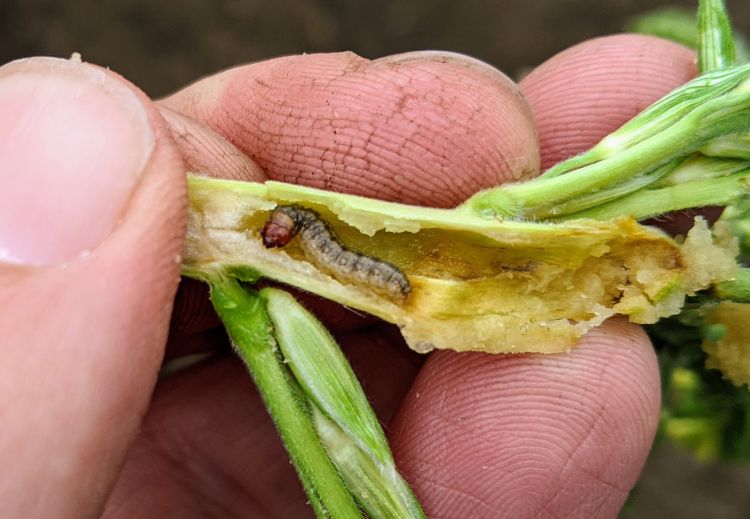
(164, 45)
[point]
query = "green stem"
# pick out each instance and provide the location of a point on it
(244, 316)
(644, 160)
(716, 43)
(655, 119)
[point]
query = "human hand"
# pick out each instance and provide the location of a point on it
(476, 435)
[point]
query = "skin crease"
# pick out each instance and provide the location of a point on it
(477, 435)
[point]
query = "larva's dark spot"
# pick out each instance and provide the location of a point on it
(320, 245)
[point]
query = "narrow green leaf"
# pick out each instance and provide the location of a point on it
(378, 487)
(323, 371)
(653, 202)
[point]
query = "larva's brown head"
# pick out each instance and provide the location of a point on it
(278, 230)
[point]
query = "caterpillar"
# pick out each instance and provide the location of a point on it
(322, 248)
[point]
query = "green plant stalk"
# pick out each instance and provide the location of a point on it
(244, 316)
(635, 171)
(342, 415)
(689, 182)
(655, 119)
(716, 44)
(599, 175)
(602, 197)
(721, 114)
(721, 319)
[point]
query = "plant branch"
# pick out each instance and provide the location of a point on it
(244, 316)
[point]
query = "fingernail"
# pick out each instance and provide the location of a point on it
(73, 144)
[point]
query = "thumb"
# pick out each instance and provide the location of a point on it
(92, 216)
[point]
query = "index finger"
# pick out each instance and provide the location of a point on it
(425, 128)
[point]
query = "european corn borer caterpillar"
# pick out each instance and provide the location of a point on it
(323, 249)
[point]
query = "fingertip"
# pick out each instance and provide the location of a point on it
(591, 89)
(423, 128)
(206, 152)
(515, 436)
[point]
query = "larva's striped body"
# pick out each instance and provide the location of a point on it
(323, 249)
